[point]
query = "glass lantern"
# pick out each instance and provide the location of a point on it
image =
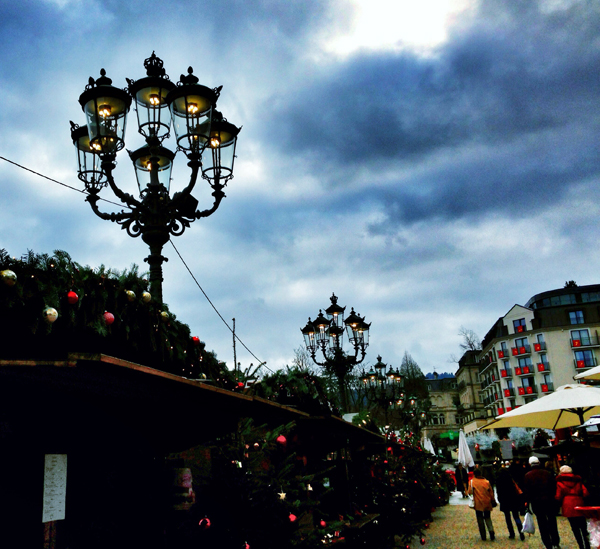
(89, 169)
(106, 109)
(150, 94)
(153, 165)
(218, 159)
(191, 107)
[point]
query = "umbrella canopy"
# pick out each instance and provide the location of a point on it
(568, 406)
(464, 454)
(428, 445)
(593, 373)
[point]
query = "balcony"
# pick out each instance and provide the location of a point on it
(537, 347)
(510, 392)
(520, 329)
(520, 351)
(502, 354)
(524, 370)
(586, 363)
(524, 391)
(543, 367)
(590, 341)
(546, 387)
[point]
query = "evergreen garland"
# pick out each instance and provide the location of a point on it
(143, 332)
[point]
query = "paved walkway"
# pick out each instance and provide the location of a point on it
(454, 527)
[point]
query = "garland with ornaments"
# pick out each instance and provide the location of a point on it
(51, 306)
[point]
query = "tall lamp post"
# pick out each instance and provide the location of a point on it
(202, 134)
(326, 333)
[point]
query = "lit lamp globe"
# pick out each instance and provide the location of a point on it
(218, 160)
(105, 108)
(191, 107)
(153, 165)
(89, 169)
(150, 96)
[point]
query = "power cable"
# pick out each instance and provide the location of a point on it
(261, 363)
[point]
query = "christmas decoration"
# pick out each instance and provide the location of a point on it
(422, 541)
(146, 297)
(130, 295)
(322, 524)
(72, 298)
(281, 439)
(109, 318)
(204, 523)
(9, 277)
(281, 495)
(196, 341)
(165, 316)
(292, 517)
(50, 314)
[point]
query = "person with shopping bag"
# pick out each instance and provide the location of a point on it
(570, 493)
(484, 501)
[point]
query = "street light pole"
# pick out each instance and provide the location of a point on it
(325, 334)
(202, 134)
(383, 388)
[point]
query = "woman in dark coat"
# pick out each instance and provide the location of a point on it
(510, 498)
(570, 493)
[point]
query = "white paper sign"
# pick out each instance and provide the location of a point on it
(55, 487)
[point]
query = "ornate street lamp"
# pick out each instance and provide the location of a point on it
(382, 387)
(325, 335)
(190, 109)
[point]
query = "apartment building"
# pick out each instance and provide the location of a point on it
(537, 347)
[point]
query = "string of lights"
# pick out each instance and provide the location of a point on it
(261, 363)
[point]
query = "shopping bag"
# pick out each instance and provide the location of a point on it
(471, 502)
(528, 524)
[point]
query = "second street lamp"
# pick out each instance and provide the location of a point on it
(190, 109)
(383, 388)
(325, 335)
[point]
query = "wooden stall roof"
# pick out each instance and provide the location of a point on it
(171, 411)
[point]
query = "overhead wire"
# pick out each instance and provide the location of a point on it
(261, 362)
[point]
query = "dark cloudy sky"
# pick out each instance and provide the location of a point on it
(432, 163)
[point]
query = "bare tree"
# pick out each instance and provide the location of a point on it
(302, 360)
(471, 341)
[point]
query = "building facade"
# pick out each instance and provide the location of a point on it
(442, 416)
(537, 347)
(471, 411)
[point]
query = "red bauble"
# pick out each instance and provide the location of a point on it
(426, 525)
(293, 517)
(246, 545)
(281, 439)
(72, 298)
(422, 540)
(204, 523)
(109, 318)
(323, 524)
(196, 341)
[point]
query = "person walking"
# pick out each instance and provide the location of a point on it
(462, 479)
(540, 492)
(483, 498)
(570, 493)
(510, 499)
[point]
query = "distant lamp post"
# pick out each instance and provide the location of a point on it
(202, 135)
(382, 387)
(325, 335)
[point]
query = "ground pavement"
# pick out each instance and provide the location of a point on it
(454, 527)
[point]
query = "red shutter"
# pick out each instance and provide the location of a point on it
(521, 390)
(500, 411)
(576, 343)
(544, 388)
(529, 390)
(503, 373)
(581, 363)
(500, 354)
(519, 328)
(518, 371)
(522, 350)
(540, 367)
(515, 351)
(537, 347)
(526, 369)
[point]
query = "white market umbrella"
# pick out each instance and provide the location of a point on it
(428, 445)
(464, 454)
(593, 373)
(568, 406)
